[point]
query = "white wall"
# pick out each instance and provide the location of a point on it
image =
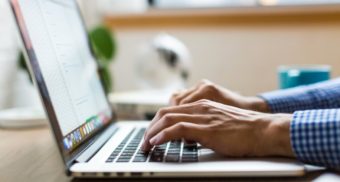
(240, 57)
(9, 49)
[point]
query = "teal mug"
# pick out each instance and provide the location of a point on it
(292, 76)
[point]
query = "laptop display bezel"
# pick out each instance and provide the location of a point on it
(39, 82)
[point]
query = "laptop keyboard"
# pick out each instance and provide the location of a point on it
(175, 151)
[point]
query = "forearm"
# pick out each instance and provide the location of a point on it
(317, 96)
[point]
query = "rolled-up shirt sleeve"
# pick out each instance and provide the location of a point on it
(315, 137)
(315, 128)
(322, 95)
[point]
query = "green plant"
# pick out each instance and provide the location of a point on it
(22, 65)
(104, 47)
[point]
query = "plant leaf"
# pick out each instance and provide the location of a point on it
(103, 43)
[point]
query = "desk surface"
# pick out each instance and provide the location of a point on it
(31, 155)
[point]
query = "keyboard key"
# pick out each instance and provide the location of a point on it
(158, 150)
(156, 156)
(112, 157)
(174, 150)
(130, 148)
(189, 159)
(133, 145)
(175, 145)
(141, 155)
(189, 149)
(129, 151)
(163, 145)
(124, 157)
(172, 158)
(189, 155)
(156, 159)
(123, 160)
(142, 152)
(157, 153)
(189, 152)
(110, 160)
(126, 154)
(140, 159)
(118, 149)
(115, 152)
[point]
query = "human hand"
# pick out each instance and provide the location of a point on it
(227, 130)
(208, 90)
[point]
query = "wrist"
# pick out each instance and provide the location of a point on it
(276, 137)
(257, 104)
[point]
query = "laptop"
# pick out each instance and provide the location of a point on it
(92, 143)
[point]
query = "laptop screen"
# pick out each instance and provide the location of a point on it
(55, 37)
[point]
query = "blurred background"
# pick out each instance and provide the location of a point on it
(236, 43)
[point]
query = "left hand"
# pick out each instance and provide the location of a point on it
(225, 129)
(211, 91)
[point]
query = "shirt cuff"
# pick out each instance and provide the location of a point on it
(288, 100)
(315, 137)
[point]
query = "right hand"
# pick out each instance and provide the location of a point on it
(227, 130)
(210, 91)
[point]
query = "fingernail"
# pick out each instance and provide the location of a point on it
(153, 140)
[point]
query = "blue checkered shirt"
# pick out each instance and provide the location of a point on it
(315, 129)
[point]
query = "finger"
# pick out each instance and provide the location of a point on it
(186, 109)
(187, 131)
(191, 108)
(198, 107)
(161, 112)
(179, 99)
(176, 98)
(193, 96)
(169, 120)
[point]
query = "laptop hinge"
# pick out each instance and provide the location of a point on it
(92, 149)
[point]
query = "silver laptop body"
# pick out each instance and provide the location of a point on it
(90, 140)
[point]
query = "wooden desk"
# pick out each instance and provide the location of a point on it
(31, 155)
